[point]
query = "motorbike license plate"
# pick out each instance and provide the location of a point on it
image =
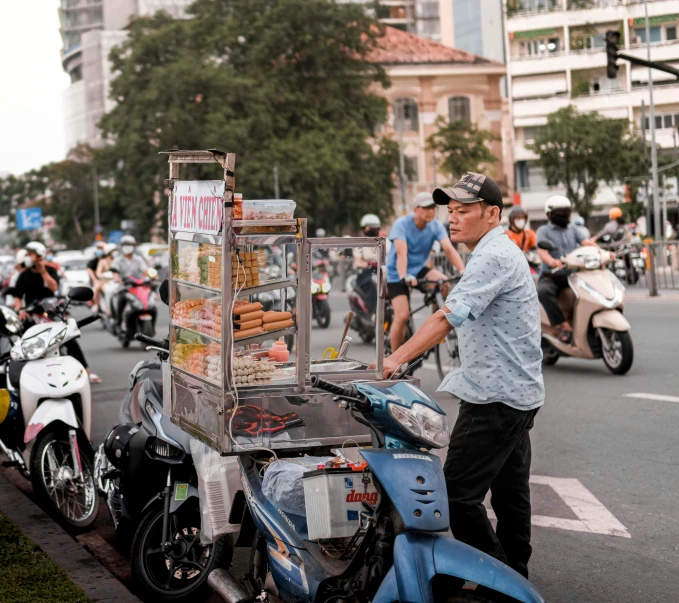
(145, 317)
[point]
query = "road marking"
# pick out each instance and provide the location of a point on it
(658, 397)
(592, 516)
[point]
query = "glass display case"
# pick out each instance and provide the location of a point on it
(241, 308)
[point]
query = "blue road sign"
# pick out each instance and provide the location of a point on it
(29, 219)
(115, 235)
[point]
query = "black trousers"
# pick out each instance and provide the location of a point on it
(549, 287)
(74, 350)
(490, 450)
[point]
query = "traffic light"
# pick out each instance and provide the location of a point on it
(612, 41)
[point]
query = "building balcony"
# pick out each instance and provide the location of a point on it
(586, 11)
(611, 104)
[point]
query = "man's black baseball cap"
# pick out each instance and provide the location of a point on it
(471, 188)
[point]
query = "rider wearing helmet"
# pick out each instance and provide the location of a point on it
(364, 262)
(518, 232)
(37, 282)
(615, 230)
(565, 237)
(579, 222)
(125, 265)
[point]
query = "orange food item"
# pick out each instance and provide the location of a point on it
(274, 326)
(276, 316)
(248, 333)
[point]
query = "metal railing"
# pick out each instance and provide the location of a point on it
(662, 266)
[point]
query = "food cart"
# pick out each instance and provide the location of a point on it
(231, 381)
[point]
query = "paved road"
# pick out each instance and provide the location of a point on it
(605, 466)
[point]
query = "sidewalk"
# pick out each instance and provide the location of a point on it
(96, 582)
(642, 293)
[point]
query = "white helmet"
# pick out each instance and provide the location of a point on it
(21, 256)
(370, 220)
(37, 247)
(109, 248)
(128, 240)
(557, 202)
(320, 232)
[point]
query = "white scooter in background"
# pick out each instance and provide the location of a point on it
(46, 415)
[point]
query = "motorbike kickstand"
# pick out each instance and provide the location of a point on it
(166, 540)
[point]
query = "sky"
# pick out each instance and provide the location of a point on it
(31, 85)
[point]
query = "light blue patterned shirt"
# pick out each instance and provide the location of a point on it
(496, 312)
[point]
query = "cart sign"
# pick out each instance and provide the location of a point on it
(197, 206)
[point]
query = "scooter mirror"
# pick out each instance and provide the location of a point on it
(546, 245)
(164, 292)
(81, 294)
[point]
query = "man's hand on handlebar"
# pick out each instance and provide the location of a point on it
(409, 280)
(555, 264)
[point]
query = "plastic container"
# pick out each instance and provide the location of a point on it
(238, 206)
(273, 209)
(333, 500)
(279, 351)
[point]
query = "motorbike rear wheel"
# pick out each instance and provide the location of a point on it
(75, 502)
(323, 313)
(181, 573)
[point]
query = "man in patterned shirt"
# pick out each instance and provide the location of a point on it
(496, 312)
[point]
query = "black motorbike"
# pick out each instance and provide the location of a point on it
(363, 303)
(145, 471)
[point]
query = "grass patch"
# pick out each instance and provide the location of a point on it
(27, 575)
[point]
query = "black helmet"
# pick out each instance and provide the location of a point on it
(517, 211)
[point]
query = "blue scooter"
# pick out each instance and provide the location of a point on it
(400, 552)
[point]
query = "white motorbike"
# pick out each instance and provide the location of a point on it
(46, 415)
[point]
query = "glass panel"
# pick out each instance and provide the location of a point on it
(336, 271)
(459, 108)
(667, 121)
(658, 122)
(641, 34)
(671, 33)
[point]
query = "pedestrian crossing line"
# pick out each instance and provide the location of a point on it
(658, 397)
(593, 517)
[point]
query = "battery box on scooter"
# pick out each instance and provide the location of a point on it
(334, 500)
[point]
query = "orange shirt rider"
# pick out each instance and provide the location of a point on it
(524, 237)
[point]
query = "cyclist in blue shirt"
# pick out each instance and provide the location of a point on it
(413, 237)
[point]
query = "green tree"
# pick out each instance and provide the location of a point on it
(581, 150)
(283, 83)
(462, 147)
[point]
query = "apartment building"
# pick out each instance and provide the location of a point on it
(556, 56)
(89, 30)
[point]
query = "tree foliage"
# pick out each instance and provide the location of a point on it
(281, 83)
(581, 150)
(462, 147)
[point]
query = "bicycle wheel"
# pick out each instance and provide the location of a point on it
(448, 354)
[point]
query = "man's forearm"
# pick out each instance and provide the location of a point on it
(435, 328)
(50, 283)
(402, 264)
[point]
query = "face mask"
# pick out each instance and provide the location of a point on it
(99, 253)
(49, 257)
(520, 224)
(128, 249)
(28, 262)
(560, 219)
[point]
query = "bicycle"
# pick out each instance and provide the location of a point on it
(447, 352)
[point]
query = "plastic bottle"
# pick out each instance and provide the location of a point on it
(279, 351)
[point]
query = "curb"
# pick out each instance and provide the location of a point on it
(82, 568)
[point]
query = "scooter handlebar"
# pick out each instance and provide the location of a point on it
(338, 390)
(88, 320)
(157, 343)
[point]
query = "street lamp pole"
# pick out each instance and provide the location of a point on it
(95, 194)
(654, 149)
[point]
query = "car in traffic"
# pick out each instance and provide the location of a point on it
(74, 273)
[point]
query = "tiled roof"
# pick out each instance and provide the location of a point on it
(401, 47)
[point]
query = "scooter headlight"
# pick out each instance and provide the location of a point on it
(12, 322)
(325, 287)
(314, 288)
(422, 422)
(592, 264)
(34, 347)
(59, 337)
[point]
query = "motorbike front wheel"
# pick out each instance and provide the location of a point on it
(74, 500)
(448, 354)
(323, 313)
(617, 350)
(180, 574)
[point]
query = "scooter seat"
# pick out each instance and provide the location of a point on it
(566, 301)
